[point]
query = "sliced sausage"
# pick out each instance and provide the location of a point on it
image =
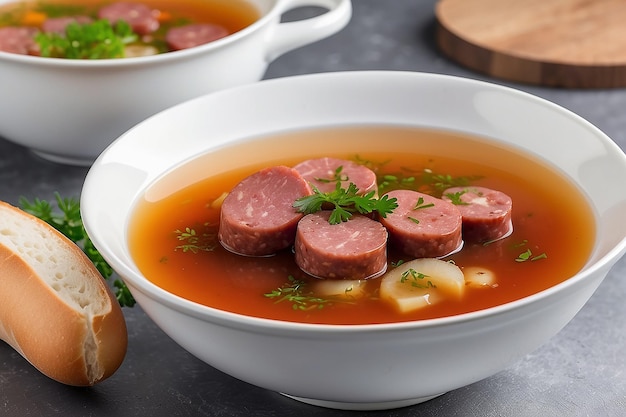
(355, 249)
(58, 24)
(486, 212)
(19, 40)
(323, 173)
(423, 226)
(141, 18)
(257, 217)
(188, 36)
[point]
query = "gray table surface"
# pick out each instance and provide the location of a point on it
(579, 372)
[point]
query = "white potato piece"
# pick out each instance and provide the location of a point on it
(420, 283)
(217, 203)
(133, 51)
(479, 277)
(348, 289)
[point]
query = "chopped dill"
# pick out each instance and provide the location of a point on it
(293, 292)
(416, 279)
(195, 242)
(527, 255)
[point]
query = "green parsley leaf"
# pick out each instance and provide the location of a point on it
(97, 40)
(524, 256)
(346, 202)
(122, 294)
(420, 204)
(527, 255)
(455, 198)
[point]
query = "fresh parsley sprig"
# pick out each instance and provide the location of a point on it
(96, 40)
(455, 198)
(70, 224)
(528, 254)
(345, 202)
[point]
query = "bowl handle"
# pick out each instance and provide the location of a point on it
(291, 35)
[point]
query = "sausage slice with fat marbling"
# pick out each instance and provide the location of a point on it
(59, 24)
(257, 217)
(19, 40)
(323, 174)
(423, 226)
(141, 18)
(486, 213)
(354, 249)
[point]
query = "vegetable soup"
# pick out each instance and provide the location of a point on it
(174, 227)
(96, 29)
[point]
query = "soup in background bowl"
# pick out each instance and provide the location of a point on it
(383, 363)
(92, 29)
(81, 105)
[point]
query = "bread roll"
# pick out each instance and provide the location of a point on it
(55, 308)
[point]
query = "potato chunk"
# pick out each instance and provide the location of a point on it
(420, 283)
(479, 277)
(345, 289)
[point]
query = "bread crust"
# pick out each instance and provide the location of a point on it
(58, 339)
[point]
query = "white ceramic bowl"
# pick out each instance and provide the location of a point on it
(70, 110)
(368, 366)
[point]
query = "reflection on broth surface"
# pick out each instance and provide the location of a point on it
(172, 234)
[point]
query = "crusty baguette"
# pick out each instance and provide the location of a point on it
(55, 308)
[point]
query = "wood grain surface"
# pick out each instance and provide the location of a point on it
(560, 43)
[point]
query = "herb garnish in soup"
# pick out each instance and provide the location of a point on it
(95, 29)
(417, 224)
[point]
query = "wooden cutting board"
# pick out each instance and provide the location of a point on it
(559, 43)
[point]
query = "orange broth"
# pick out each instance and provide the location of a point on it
(233, 15)
(550, 216)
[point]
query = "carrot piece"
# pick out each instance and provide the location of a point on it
(164, 16)
(32, 18)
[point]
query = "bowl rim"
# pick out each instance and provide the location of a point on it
(151, 59)
(252, 323)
